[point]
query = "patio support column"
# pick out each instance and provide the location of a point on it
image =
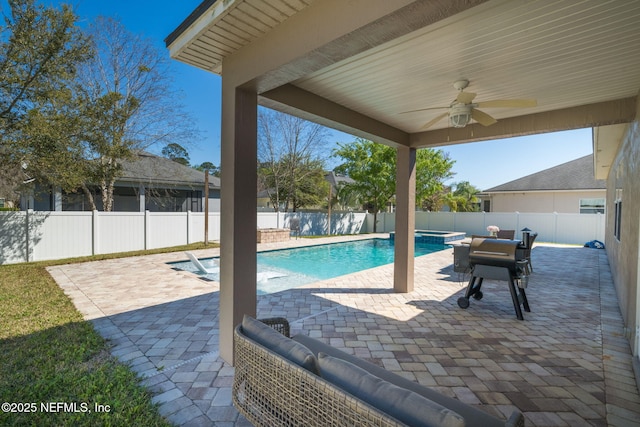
(405, 219)
(238, 207)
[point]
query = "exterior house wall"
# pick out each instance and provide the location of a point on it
(542, 201)
(126, 198)
(623, 184)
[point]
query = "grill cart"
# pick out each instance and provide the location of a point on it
(497, 259)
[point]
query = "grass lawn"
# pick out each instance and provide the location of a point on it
(54, 368)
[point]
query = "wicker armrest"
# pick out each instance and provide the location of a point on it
(280, 324)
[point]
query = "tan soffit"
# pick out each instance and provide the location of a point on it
(227, 26)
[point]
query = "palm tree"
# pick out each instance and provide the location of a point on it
(464, 197)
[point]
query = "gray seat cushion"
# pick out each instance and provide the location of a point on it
(278, 343)
(402, 404)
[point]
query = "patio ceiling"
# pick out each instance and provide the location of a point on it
(579, 59)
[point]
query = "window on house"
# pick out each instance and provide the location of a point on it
(1, 203)
(591, 206)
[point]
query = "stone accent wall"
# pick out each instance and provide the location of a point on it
(272, 235)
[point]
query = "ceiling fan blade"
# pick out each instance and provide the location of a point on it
(508, 103)
(483, 118)
(434, 121)
(423, 109)
(465, 97)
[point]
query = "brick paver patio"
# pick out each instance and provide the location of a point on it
(566, 364)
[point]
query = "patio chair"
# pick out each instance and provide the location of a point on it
(506, 234)
(294, 226)
(195, 261)
(528, 268)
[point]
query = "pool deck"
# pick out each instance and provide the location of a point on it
(566, 364)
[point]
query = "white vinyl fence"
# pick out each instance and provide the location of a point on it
(39, 236)
(551, 227)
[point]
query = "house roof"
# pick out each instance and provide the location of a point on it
(148, 167)
(574, 175)
(335, 180)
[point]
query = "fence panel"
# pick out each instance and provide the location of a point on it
(166, 229)
(579, 228)
(551, 227)
(196, 227)
(542, 223)
(270, 220)
(440, 221)
(119, 232)
(13, 237)
(347, 222)
(470, 223)
(57, 235)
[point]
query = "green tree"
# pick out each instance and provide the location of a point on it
(464, 198)
(177, 153)
(373, 168)
(213, 169)
(433, 167)
(128, 104)
(40, 48)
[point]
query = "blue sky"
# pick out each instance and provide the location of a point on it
(484, 164)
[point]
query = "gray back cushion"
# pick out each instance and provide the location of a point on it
(278, 343)
(400, 403)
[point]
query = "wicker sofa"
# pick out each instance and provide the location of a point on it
(300, 381)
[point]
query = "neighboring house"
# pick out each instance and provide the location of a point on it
(336, 181)
(567, 188)
(148, 182)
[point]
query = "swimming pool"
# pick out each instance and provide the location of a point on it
(288, 268)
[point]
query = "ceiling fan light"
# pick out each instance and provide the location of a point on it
(460, 120)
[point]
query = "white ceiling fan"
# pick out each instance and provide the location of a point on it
(463, 109)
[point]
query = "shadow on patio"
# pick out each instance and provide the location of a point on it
(567, 363)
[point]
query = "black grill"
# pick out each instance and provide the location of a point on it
(497, 259)
(498, 253)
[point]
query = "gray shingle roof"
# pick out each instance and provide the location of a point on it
(335, 179)
(147, 167)
(574, 175)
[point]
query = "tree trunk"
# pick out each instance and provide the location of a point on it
(375, 221)
(107, 195)
(87, 193)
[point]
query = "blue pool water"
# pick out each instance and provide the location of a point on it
(287, 268)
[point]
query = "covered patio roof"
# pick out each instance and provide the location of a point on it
(358, 66)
